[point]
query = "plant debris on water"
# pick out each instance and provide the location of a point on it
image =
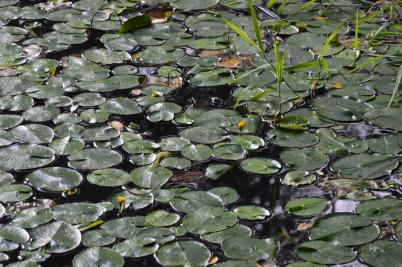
(200, 133)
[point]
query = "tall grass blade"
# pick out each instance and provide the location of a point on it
(369, 17)
(263, 66)
(242, 34)
(309, 65)
(306, 5)
(396, 87)
(271, 3)
(356, 41)
(368, 62)
(325, 47)
(255, 25)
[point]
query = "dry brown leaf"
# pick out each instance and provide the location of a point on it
(236, 62)
(213, 260)
(303, 226)
(210, 53)
(116, 125)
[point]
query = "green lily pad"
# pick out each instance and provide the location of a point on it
(183, 253)
(109, 177)
(78, 212)
(381, 209)
(325, 252)
(136, 247)
(196, 152)
(288, 138)
(243, 248)
(381, 253)
(385, 118)
(212, 78)
(98, 256)
(150, 177)
(306, 206)
(24, 157)
(203, 135)
(32, 134)
(56, 179)
(304, 159)
(13, 233)
(249, 212)
(14, 192)
(94, 158)
(296, 178)
(260, 165)
(161, 218)
(55, 237)
(237, 230)
(365, 166)
(228, 151)
(97, 238)
(32, 217)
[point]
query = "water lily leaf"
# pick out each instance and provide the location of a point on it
(214, 171)
(212, 78)
(228, 151)
(121, 106)
(89, 99)
(135, 200)
(78, 212)
(288, 138)
(337, 223)
(385, 118)
(124, 227)
(250, 212)
(306, 206)
(13, 233)
(206, 25)
(106, 56)
(389, 144)
(140, 146)
(183, 253)
(94, 158)
(161, 54)
(365, 166)
(58, 237)
(293, 122)
(24, 157)
(136, 247)
(296, 178)
(32, 217)
(381, 209)
(97, 238)
(341, 108)
(248, 142)
(135, 23)
(8, 121)
(398, 231)
(163, 111)
(173, 143)
(109, 177)
(330, 143)
(381, 253)
(313, 117)
(175, 163)
(150, 177)
(14, 192)
(40, 114)
(208, 220)
(56, 179)
(304, 159)
(32, 134)
(123, 41)
(66, 145)
(260, 165)
(325, 252)
(160, 218)
(98, 256)
(203, 135)
(196, 152)
(243, 248)
(237, 230)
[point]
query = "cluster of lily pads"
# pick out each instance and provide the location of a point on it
(119, 119)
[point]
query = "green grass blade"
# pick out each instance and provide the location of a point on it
(271, 3)
(356, 41)
(371, 60)
(369, 17)
(309, 65)
(396, 87)
(255, 25)
(279, 66)
(306, 5)
(263, 66)
(242, 34)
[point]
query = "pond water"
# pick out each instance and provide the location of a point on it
(200, 133)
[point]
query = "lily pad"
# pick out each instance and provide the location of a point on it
(381, 253)
(184, 253)
(98, 256)
(307, 206)
(260, 165)
(55, 179)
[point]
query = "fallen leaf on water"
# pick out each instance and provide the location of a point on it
(236, 62)
(116, 125)
(209, 53)
(336, 85)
